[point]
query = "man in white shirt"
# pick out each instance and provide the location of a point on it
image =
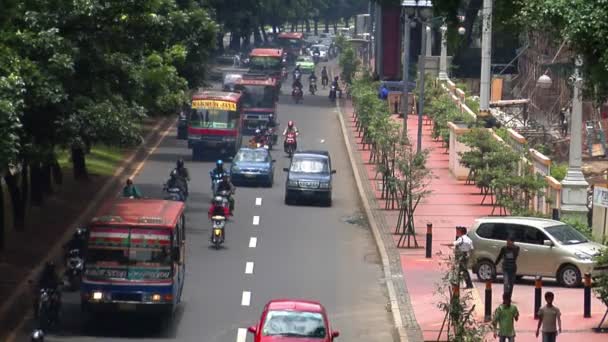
(462, 247)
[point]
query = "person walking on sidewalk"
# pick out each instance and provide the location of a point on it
(505, 317)
(508, 254)
(549, 317)
(462, 248)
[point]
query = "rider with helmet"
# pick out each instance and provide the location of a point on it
(182, 171)
(77, 241)
(48, 280)
(218, 171)
(324, 77)
(226, 185)
(217, 209)
(176, 181)
(291, 127)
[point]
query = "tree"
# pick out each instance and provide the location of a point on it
(583, 25)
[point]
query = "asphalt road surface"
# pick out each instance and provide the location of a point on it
(272, 250)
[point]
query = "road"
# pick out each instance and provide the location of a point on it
(305, 252)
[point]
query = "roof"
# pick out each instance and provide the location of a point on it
(291, 35)
(266, 52)
(139, 212)
(295, 304)
(217, 95)
(534, 221)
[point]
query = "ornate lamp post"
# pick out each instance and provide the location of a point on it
(443, 59)
(486, 59)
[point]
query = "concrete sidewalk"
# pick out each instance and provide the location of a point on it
(453, 203)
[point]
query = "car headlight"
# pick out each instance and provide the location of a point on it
(292, 183)
(583, 256)
(324, 185)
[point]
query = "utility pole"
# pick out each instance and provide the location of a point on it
(406, 75)
(486, 59)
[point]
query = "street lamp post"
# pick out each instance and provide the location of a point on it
(421, 77)
(429, 41)
(406, 75)
(486, 59)
(443, 59)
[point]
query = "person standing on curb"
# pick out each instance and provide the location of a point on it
(550, 318)
(462, 247)
(508, 254)
(505, 317)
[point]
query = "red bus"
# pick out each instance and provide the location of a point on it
(135, 257)
(292, 43)
(215, 123)
(260, 95)
(268, 61)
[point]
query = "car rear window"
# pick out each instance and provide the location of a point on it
(309, 165)
(294, 324)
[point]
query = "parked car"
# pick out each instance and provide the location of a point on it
(252, 166)
(548, 248)
(290, 320)
(309, 176)
(307, 65)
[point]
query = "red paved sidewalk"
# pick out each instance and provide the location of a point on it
(453, 203)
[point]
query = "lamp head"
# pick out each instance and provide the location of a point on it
(462, 31)
(544, 82)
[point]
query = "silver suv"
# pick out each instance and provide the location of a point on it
(548, 248)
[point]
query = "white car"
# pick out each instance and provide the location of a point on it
(323, 49)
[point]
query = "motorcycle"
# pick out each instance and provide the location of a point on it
(312, 86)
(47, 311)
(290, 143)
(217, 232)
(215, 181)
(73, 268)
(174, 194)
(297, 94)
(333, 93)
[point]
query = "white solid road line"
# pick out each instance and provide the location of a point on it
(241, 335)
(256, 220)
(246, 298)
(253, 241)
(249, 267)
(258, 201)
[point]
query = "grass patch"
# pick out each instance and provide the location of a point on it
(102, 160)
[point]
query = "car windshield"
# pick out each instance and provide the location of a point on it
(265, 62)
(294, 324)
(309, 165)
(251, 156)
(566, 234)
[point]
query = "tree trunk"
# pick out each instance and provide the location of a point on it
(235, 41)
(346, 21)
(246, 41)
(316, 26)
(274, 29)
(257, 37)
(79, 163)
(47, 180)
(307, 26)
(292, 27)
(57, 173)
(36, 184)
(326, 29)
(25, 193)
(15, 195)
(2, 216)
(220, 42)
(264, 35)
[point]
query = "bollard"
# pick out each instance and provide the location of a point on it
(587, 296)
(555, 214)
(538, 289)
(429, 239)
(488, 304)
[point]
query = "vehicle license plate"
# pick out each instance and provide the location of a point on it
(249, 175)
(126, 307)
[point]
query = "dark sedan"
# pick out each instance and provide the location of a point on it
(252, 166)
(309, 176)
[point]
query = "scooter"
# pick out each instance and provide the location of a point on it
(218, 235)
(73, 269)
(290, 143)
(297, 95)
(47, 311)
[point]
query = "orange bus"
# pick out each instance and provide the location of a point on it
(292, 43)
(260, 95)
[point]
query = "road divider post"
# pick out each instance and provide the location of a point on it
(429, 240)
(488, 302)
(538, 289)
(587, 296)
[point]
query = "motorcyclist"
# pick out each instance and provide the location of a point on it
(182, 171)
(77, 241)
(130, 190)
(271, 121)
(296, 85)
(219, 169)
(226, 185)
(176, 181)
(291, 127)
(258, 137)
(297, 73)
(312, 82)
(217, 209)
(48, 280)
(324, 77)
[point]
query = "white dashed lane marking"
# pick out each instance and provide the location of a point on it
(253, 241)
(249, 267)
(256, 220)
(246, 298)
(258, 201)
(241, 335)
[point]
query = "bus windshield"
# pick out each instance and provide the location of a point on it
(265, 63)
(257, 96)
(214, 118)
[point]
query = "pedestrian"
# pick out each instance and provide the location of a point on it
(383, 92)
(463, 245)
(508, 254)
(236, 62)
(505, 317)
(550, 318)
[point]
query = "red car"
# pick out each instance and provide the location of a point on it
(288, 320)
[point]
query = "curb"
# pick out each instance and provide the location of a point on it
(19, 303)
(401, 329)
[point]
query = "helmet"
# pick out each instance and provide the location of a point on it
(37, 336)
(180, 163)
(173, 174)
(217, 200)
(80, 232)
(290, 124)
(336, 78)
(219, 163)
(50, 265)
(258, 131)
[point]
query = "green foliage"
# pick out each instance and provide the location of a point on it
(348, 63)
(559, 171)
(442, 110)
(102, 160)
(579, 225)
(600, 279)
(582, 24)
